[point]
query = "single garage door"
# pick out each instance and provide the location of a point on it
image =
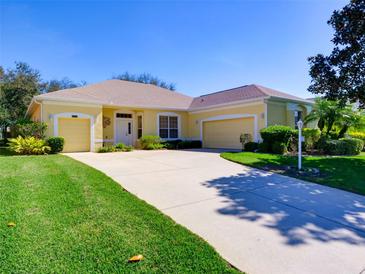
(226, 133)
(76, 132)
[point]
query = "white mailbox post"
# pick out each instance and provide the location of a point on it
(300, 126)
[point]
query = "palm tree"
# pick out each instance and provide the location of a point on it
(319, 113)
(334, 113)
(326, 112)
(350, 118)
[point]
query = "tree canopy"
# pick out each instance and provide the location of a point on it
(64, 83)
(17, 88)
(333, 117)
(145, 78)
(341, 75)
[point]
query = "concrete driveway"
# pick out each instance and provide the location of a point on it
(258, 221)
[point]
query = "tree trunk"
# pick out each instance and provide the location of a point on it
(330, 125)
(321, 124)
(342, 132)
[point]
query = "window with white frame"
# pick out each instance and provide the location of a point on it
(168, 126)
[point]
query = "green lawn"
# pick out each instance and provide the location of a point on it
(71, 218)
(344, 172)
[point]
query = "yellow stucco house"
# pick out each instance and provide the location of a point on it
(115, 111)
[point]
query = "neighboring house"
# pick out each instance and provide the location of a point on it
(117, 111)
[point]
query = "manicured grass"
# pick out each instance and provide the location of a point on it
(71, 218)
(344, 172)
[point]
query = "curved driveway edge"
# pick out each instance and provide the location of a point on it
(258, 221)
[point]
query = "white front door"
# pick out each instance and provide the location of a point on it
(124, 131)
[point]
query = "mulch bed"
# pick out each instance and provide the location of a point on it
(306, 172)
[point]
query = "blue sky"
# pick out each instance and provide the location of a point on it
(201, 46)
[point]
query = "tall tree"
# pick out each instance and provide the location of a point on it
(341, 75)
(17, 87)
(145, 78)
(64, 83)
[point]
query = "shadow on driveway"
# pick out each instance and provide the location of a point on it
(299, 211)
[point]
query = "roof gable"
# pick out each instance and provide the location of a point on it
(123, 93)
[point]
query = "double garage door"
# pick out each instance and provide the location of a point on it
(226, 133)
(76, 132)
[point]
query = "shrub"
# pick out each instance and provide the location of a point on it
(279, 148)
(127, 148)
(322, 143)
(179, 144)
(117, 148)
(189, 144)
(152, 146)
(30, 128)
(122, 147)
(358, 135)
(277, 133)
(151, 142)
(106, 149)
(353, 146)
(171, 144)
(56, 144)
(28, 146)
(293, 142)
(245, 138)
(344, 146)
(311, 137)
(3, 142)
(334, 147)
(263, 147)
(251, 146)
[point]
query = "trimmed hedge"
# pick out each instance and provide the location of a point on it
(282, 135)
(56, 144)
(279, 148)
(358, 135)
(344, 146)
(189, 144)
(263, 147)
(311, 137)
(171, 144)
(251, 146)
(180, 144)
(277, 133)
